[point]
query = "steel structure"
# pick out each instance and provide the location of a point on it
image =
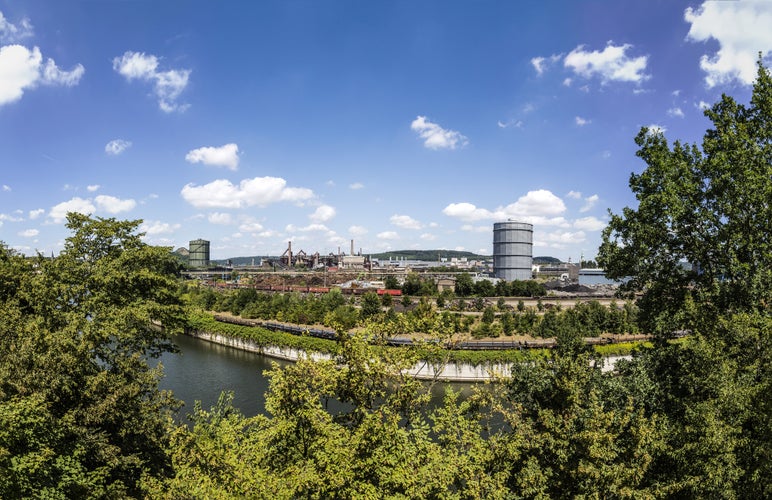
(512, 250)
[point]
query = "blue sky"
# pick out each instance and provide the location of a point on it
(400, 125)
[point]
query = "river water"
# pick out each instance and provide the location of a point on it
(202, 370)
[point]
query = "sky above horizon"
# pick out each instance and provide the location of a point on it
(400, 125)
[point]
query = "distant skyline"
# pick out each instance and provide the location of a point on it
(401, 125)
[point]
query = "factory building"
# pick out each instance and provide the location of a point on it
(512, 250)
(198, 255)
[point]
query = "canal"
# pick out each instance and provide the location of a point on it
(202, 370)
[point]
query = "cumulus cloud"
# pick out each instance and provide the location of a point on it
(589, 224)
(541, 64)
(388, 235)
(537, 207)
(405, 222)
(356, 185)
(117, 146)
(58, 213)
(10, 33)
(220, 218)
(576, 195)
(323, 213)
(34, 214)
(223, 156)
(610, 64)
(113, 205)
(467, 211)
(559, 239)
(357, 230)
(29, 233)
(258, 191)
(92, 187)
(291, 228)
(22, 69)
(250, 226)
(589, 202)
(675, 112)
(152, 228)
(167, 85)
(510, 123)
(428, 237)
(6, 188)
(436, 137)
(741, 30)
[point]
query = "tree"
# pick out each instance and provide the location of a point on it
(699, 249)
(371, 305)
(703, 225)
(76, 336)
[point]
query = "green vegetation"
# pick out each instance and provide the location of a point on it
(81, 415)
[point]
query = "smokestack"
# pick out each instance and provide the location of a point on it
(352, 247)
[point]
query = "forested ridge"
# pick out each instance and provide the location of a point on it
(81, 415)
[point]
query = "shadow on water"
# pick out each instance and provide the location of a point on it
(202, 370)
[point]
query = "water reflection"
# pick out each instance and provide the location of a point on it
(202, 370)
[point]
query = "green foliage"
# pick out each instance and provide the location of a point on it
(80, 411)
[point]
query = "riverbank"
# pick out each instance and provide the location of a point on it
(448, 371)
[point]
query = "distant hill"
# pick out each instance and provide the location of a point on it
(546, 260)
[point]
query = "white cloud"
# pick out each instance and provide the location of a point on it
(567, 82)
(10, 218)
(576, 195)
(59, 212)
(582, 121)
(703, 105)
(675, 112)
(405, 222)
(589, 224)
(291, 228)
(436, 137)
(428, 237)
(357, 230)
(152, 228)
(117, 146)
(589, 202)
(742, 29)
(220, 218)
(29, 233)
(92, 187)
(356, 185)
(541, 64)
(536, 203)
(388, 235)
(560, 239)
(6, 188)
(113, 205)
(540, 207)
(258, 191)
(14, 32)
(250, 226)
(510, 123)
(654, 129)
(467, 212)
(22, 69)
(476, 229)
(168, 85)
(34, 214)
(223, 156)
(610, 64)
(322, 213)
